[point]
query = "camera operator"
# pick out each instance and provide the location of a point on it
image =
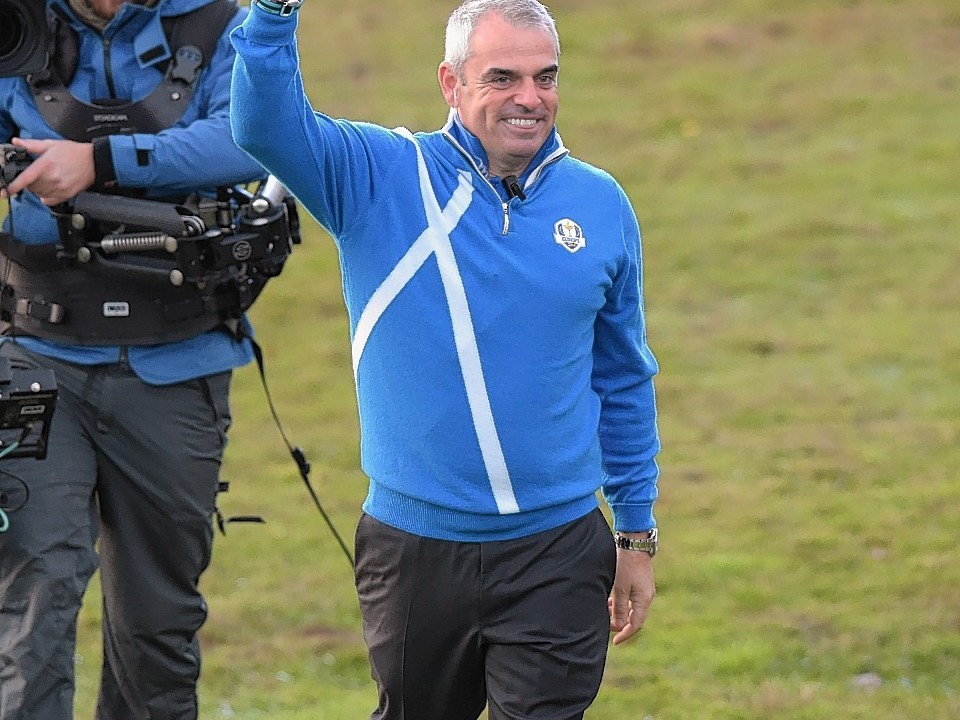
(134, 101)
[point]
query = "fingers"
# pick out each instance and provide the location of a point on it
(23, 180)
(628, 610)
(31, 174)
(620, 609)
(60, 170)
(631, 596)
(31, 146)
(629, 623)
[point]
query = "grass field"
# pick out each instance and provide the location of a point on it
(795, 167)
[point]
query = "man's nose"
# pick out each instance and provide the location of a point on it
(527, 94)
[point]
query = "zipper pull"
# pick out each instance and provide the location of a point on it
(506, 218)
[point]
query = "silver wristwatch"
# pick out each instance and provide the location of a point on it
(648, 544)
(283, 8)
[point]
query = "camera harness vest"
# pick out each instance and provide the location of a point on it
(192, 38)
(43, 295)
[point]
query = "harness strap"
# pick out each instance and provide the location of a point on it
(192, 37)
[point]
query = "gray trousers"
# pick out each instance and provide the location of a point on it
(519, 625)
(137, 467)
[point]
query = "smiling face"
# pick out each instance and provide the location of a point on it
(507, 93)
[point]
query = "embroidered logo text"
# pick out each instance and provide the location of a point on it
(569, 235)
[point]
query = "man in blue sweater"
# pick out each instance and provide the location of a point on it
(133, 101)
(493, 285)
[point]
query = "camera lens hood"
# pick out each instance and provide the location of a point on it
(23, 37)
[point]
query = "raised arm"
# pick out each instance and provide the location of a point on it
(334, 167)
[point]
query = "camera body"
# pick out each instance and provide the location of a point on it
(24, 37)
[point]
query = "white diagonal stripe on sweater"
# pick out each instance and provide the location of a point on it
(436, 239)
(385, 294)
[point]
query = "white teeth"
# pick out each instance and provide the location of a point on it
(518, 122)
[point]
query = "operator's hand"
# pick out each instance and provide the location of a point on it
(633, 591)
(61, 170)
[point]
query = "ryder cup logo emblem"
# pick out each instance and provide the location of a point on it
(570, 235)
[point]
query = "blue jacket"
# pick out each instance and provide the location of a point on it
(499, 348)
(198, 153)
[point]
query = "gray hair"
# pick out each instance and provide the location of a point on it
(519, 13)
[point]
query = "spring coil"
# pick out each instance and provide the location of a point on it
(138, 242)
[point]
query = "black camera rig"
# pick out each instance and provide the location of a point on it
(211, 254)
(225, 247)
(203, 241)
(28, 398)
(13, 161)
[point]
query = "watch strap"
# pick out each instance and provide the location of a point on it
(282, 8)
(648, 544)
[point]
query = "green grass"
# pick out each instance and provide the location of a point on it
(794, 167)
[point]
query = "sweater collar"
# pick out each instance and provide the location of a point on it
(471, 145)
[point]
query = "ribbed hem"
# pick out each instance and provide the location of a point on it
(428, 520)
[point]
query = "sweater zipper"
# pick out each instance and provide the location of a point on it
(504, 205)
(473, 164)
(557, 154)
(534, 176)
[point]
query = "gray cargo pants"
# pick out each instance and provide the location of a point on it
(136, 466)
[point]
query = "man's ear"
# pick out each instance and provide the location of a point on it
(449, 84)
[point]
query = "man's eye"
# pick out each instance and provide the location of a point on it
(547, 80)
(501, 80)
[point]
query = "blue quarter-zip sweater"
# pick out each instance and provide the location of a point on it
(499, 348)
(197, 153)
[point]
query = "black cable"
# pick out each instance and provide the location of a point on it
(303, 465)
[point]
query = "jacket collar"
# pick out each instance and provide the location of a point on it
(140, 23)
(85, 11)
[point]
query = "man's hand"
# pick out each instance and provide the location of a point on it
(633, 591)
(61, 170)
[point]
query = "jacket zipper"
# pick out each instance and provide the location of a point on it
(107, 71)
